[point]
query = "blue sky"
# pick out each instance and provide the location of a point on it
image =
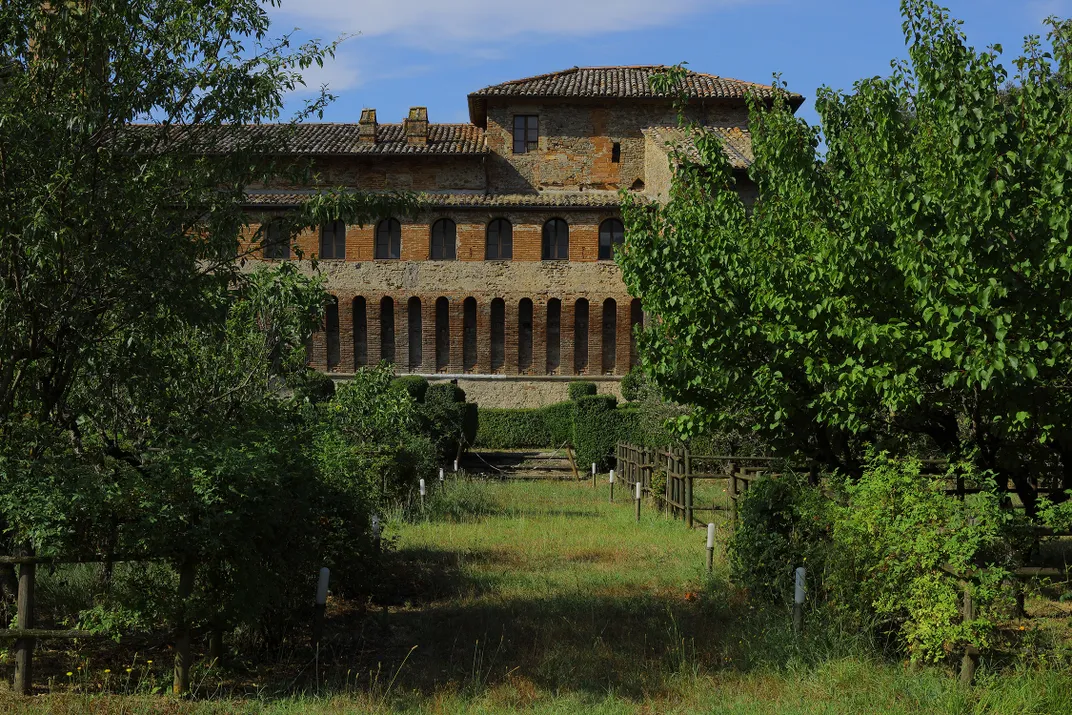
(432, 53)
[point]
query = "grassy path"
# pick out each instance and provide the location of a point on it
(543, 598)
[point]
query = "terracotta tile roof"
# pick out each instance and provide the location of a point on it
(339, 139)
(736, 143)
(618, 82)
(546, 199)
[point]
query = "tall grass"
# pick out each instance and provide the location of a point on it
(543, 597)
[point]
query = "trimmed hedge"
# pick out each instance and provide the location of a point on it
(559, 420)
(470, 423)
(415, 385)
(595, 427)
(579, 389)
(444, 392)
(507, 428)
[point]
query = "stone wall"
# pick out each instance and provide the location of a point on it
(524, 393)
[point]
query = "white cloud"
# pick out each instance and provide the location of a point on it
(338, 73)
(434, 23)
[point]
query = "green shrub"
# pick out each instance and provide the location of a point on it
(559, 420)
(633, 384)
(595, 426)
(581, 388)
(509, 428)
(415, 385)
(782, 523)
(444, 392)
(313, 386)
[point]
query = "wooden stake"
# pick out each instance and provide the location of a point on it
(24, 647)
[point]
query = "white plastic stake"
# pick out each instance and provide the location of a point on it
(441, 475)
(593, 469)
(422, 488)
(455, 465)
(322, 587)
(638, 491)
(710, 547)
(637, 502)
(612, 476)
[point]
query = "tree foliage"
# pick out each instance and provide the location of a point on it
(909, 289)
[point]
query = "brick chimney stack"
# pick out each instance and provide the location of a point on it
(366, 127)
(416, 126)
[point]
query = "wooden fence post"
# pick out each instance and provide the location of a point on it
(24, 647)
(733, 494)
(688, 489)
(181, 682)
(970, 661)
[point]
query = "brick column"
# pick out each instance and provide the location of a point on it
(428, 334)
(318, 350)
(625, 336)
(402, 333)
(565, 360)
(373, 318)
(510, 333)
(457, 333)
(539, 336)
(346, 333)
(483, 335)
(595, 336)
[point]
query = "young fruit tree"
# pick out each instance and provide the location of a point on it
(909, 288)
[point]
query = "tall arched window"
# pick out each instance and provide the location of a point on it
(442, 333)
(610, 336)
(389, 239)
(359, 313)
(555, 240)
(500, 241)
(331, 325)
(580, 336)
(333, 240)
(468, 334)
(444, 240)
(498, 333)
(387, 329)
(524, 335)
(636, 322)
(554, 335)
(611, 234)
(416, 348)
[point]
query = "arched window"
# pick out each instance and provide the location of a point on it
(389, 239)
(555, 240)
(333, 240)
(498, 334)
(580, 336)
(331, 321)
(444, 240)
(387, 329)
(416, 348)
(359, 313)
(442, 333)
(524, 336)
(468, 334)
(610, 336)
(554, 335)
(611, 234)
(500, 241)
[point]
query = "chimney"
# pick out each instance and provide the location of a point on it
(416, 126)
(366, 128)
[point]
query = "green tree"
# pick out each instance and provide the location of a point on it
(139, 357)
(910, 289)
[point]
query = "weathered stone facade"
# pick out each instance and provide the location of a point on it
(475, 315)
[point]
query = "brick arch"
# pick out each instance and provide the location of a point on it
(470, 341)
(497, 344)
(333, 346)
(359, 319)
(415, 331)
(553, 335)
(609, 329)
(387, 329)
(442, 334)
(524, 336)
(581, 318)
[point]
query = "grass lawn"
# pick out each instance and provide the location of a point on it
(542, 597)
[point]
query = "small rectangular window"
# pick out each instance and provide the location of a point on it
(526, 133)
(616, 153)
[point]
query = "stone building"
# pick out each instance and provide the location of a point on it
(506, 280)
